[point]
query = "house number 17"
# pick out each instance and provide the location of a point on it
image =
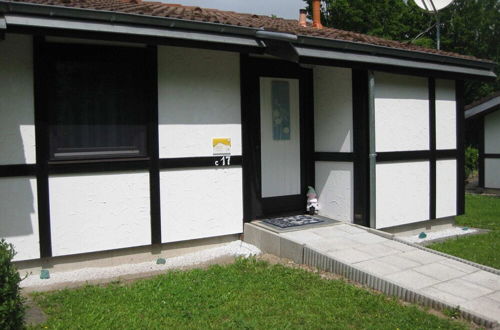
(223, 161)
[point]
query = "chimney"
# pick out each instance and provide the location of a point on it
(317, 14)
(302, 18)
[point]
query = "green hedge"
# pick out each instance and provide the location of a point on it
(471, 161)
(11, 301)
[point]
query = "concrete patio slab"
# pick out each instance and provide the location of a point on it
(382, 262)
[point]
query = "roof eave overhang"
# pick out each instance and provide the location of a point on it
(56, 17)
(483, 108)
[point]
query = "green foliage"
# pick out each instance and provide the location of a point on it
(249, 294)
(468, 27)
(471, 161)
(480, 212)
(11, 302)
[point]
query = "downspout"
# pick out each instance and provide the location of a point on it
(372, 149)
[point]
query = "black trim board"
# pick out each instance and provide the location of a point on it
(494, 156)
(334, 156)
(460, 118)
(153, 141)
(42, 148)
(415, 155)
(194, 162)
(17, 170)
(432, 147)
(361, 137)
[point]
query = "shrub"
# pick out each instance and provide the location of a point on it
(11, 301)
(471, 161)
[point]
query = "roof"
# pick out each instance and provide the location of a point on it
(483, 106)
(159, 9)
(235, 31)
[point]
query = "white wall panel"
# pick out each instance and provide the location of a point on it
(492, 173)
(19, 216)
(334, 185)
(492, 133)
(199, 203)
(446, 115)
(95, 212)
(446, 188)
(199, 99)
(402, 193)
(332, 109)
(401, 112)
(17, 130)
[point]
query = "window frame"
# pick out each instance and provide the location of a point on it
(143, 56)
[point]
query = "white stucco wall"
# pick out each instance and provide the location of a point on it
(332, 109)
(492, 173)
(199, 99)
(199, 203)
(95, 212)
(17, 130)
(446, 188)
(401, 112)
(334, 185)
(446, 115)
(402, 193)
(492, 133)
(19, 216)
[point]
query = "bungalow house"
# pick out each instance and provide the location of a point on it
(127, 123)
(485, 115)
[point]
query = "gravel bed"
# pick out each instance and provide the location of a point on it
(233, 249)
(438, 235)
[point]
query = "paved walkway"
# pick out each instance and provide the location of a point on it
(375, 259)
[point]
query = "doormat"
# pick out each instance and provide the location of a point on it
(293, 221)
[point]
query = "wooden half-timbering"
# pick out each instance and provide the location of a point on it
(175, 189)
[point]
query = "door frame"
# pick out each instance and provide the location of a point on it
(251, 69)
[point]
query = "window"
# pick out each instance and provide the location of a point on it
(98, 101)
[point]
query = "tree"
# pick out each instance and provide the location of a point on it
(469, 27)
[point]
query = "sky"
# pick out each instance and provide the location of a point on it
(280, 8)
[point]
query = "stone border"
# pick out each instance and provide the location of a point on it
(320, 261)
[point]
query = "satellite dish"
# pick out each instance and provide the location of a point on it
(432, 5)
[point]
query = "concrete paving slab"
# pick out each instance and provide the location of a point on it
(302, 236)
(485, 279)
(483, 305)
(495, 296)
(439, 271)
(377, 267)
(349, 256)
(351, 229)
(329, 232)
(367, 238)
(399, 246)
(399, 262)
(461, 266)
(443, 296)
(378, 250)
(464, 289)
(411, 279)
(422, 257)
(336, 243)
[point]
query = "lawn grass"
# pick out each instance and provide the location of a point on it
(481, 212)
(249, 294)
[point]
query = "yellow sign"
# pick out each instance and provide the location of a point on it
(221, 146)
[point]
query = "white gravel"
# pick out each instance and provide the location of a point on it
(236, 249)
(432, 235)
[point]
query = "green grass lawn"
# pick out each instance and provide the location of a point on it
(246, 295)
(481, 212)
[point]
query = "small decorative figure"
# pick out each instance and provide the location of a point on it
(312, 201)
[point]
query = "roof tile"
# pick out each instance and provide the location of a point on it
(159, 9)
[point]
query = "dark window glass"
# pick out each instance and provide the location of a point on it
(97, 102)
